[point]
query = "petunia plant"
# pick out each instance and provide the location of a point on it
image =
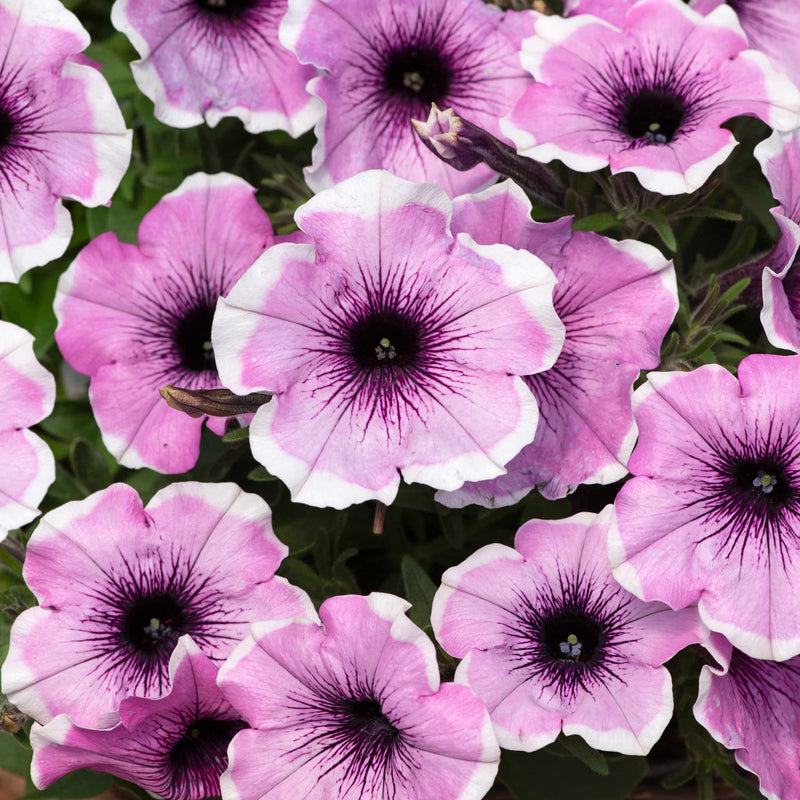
(399, 399)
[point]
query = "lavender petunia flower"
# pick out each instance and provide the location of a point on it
(386, 61)
(779, 156)
(771, 26)
(353, 710)
(753, 707)
(712, 515)
(550, 642)
(616, 300)
(27, 467)
(61, 132)
(118, 584)
(389, 344)
(138, 318)
(203, 60)
(174, 746)
(649, 98)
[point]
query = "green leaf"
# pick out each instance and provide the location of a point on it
(733, 337)
(419, 589)
(682, 318)
(339, 567)
(301, 574)
(302, 527)
(713, 213)
(730, 311)
(76, 785)
(259, 474)
(116, 69)
(732, 292)
(670, 346)
(71, 418)
(747, 788)
(656, 220)
(13, 755)
(236, 435)
(32, 310)
(65, 487)
(120, 217)
(578, 746)
(681, 776)
(701, 347)
(89, 466)
(543, 776)
(595, 223)
(147, 482)
(452, 524)
(416, 496)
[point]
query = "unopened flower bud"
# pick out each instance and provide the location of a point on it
(463, 146)
(214, 402)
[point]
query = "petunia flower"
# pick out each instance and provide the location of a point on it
(138, 318)
(771, 26)
(174, 746)
(649, 98)
(389, 344)
(550, 642)
(353, 710)
(61, 132)
(118, 584)
(752, 707)
(27, 467)
(203, 60)
(612, 11)
(779, 156)
(616, 300)
(712, 515)
(385, 62)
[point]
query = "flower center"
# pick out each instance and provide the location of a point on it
(366, 721)
(652, 117)
(154, 623)
(192, 338)
(384, 340)
(417, 73)
(226, 7)
(201, 756)
(764, 481)
(571, 636)
(7, 127)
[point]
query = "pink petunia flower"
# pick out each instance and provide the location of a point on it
(779, 156)
(385, 62)
(61, 133)
(118, 584)
(616, 300)
(753, 708)
(138, 318)
(203, 60)
(353, 710)
(550, 642)
(27, 467)
(173, 746)
(771, 26)
(649, 98)
(712, 515)
(389, 345)
(612, 11)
